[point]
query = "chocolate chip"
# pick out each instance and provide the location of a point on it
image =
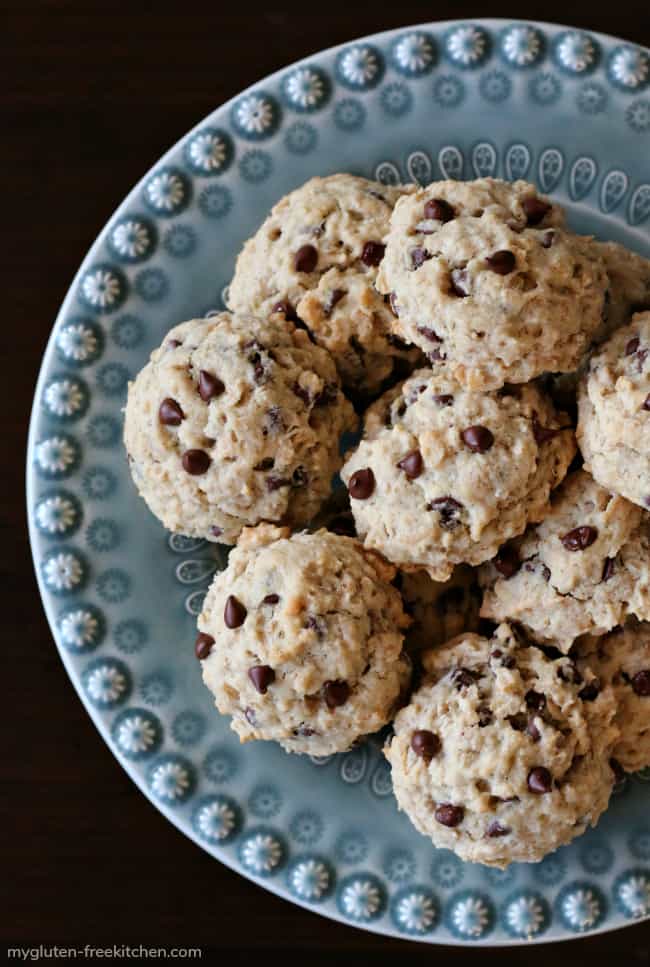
(276, 483)
(305, 259)
(234, 613)
(299, 477)
(591, 691)
(459, 282)
(567, 672)
(547, 239)
(203, 645)
(302, 393)
(632, 346)
(646, 403)
(618, 770)
(462, 678)
(541, 433)
(443, 399)
(540, 780)
(332, 300)
(170, 413)
(210, 386)
(195, 462)
(287, 310)
(336, 693)
(439, 210)
(425, 744)
(532, 731)
(535, 209)
(518, 722)
(412, 464)
(373, 253)
(249, 714)
(502, 262)
(173, 343)
(271, 599)
(580, 538)
(535, 700)
(496, 829)
(448, 511)
(485, 716)
(429, 334)
(507, 562)
(261, 676)
(641, 683)
(449, 815)
(419, 256)
(496, 653)
(216, 531)
(361, 484)
(265, 464)
(477, 438)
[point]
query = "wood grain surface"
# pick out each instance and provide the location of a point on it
(92, 94)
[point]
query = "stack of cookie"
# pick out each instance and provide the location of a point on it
(484, 583)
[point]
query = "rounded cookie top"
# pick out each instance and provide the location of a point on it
(315, 260)
(444, 474)
(232, 421)
(580, 571)
(301, 640)
(614, 412)
(439, 610)
(621, 660)
(629, 286)
(484, 275)
(503, 754)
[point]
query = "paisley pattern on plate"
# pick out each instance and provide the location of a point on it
(557, 105)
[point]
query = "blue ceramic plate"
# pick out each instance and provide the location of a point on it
(566, 109)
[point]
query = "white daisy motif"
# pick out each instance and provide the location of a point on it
(55, 455)
(165, 191)
(130, 239)
(63, 571)
(630, 67)
(101, 288)
(581, 908)
(525, 916)
(466, 45)
(634, 894)
(79, 628)
(77, 342)
(414, 53)
(416, 912)
(64, 397)
(135, 734)
(261, 853)
(304, 87)
(361, 899)
(470, 916)
(521, 45)
(207, 151)
(310, 879)
(359, 66)
(56, 514)
(576, 52)
(105, 684)
(216, 820)
(254, 114)
(170, 781)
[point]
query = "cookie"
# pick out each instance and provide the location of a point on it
(301, 640)
(484, 275)
(502, 755)
(444, 474)
(439, 610)
(315, 260)
(614, 412)
(232, 421)
(581, 571)
(621, 660)
(629, 286)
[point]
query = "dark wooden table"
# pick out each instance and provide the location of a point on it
(92, 94)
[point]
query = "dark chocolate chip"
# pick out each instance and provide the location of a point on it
(195, 462)
(332, 300)
(580, 538)
(478, 438)
(361, 484)
(412, 464)
(448, 511)
(547, 239)
(535, 700)
(305, 259)
(618, 770)
(485, 716)
(532, 731)
(203, 645)
(429, 334)
(641, 682)
(459, 282)
(170, 413)
(234, 613)
(443, 399)
(496, 829)
(373, 253)
(439, 210)
(265, 464)
(507, 562)
(271, 599)
(336, 693)
(632, 346)
(287, 310)
(449, 815)
(173, 343)
(276, 483)
(502, 262)
(261, 676)
(249, 714)
(462, 678)
(646, 403)
(535, 209)
(210, 386)
(419, 256)
(425, 744)
(540, 780)
(591, 691)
